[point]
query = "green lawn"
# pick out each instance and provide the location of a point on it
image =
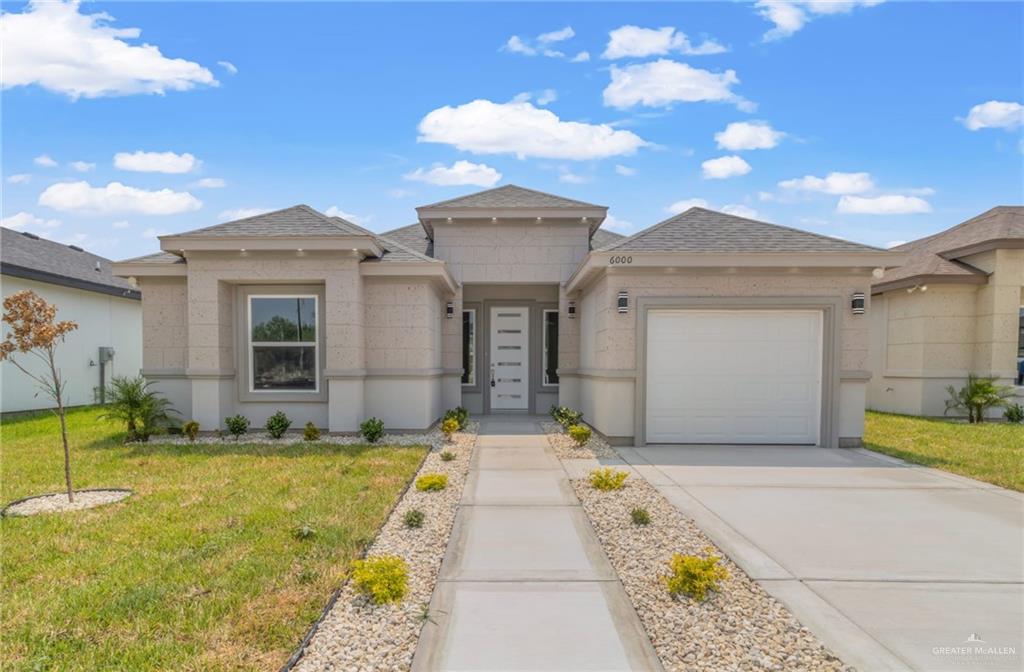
(992, 452)
(199, 570)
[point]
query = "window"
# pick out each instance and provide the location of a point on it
(283, 350)
(550, 348)
(469, 347)
(1020, 349)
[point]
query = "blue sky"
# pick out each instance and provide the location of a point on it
(914, 109)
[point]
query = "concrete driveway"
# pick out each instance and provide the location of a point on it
(893, 566)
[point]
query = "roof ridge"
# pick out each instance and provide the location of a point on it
(651, 228)
(243, 219)
(790, 228)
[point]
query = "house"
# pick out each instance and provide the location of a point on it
(955, 307)
(704, 328)
(108, 311)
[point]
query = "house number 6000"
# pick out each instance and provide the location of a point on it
(621, 260)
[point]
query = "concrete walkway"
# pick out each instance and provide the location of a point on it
(524, 584)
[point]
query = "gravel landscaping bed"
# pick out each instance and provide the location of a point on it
(566, 449)
(58, 502)
(739, 628)
(433, 438)
(357, 634)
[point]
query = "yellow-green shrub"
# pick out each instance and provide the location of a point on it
(384, 579)
(694, 576)
(449, 427)
(432, 482)
(608, 479)
(580, 434)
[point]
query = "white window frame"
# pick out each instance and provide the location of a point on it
(472, 347)
(279, 344)
(544, 349)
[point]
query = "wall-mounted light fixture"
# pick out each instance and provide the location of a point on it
(570, 310)
(911, 290)
(623, 302)
(449, 310)
(857, 304)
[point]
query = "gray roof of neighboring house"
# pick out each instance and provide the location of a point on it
(33, 258)
(511, 196)
(702, 230)
(298, 220)
(936, 256)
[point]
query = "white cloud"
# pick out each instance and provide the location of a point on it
(54, 46)
(82, 198)
(547, 96)
(663, 82)
(45, 161)
(833, 183)
(516, 45)
(485, 127)
(636, 42)
(741, 135)
(209, 183)
(724, 167)
(228, 66)
(625, 171)
(121, 224)
(569, 177)
(335, 211)
(740, 211)
(581, 57)
(557, 35)
(686, 204)
(613, 223)
(82, 166)
(894, 243)
(240, 213)
(789, 16)
(25, 220)
(156, 162)
(20, 178)
(460, 172)
(994, 114)
(892, 204)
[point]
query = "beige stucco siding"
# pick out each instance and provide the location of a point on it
(403, 324)
(164, 323)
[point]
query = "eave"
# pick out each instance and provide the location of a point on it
(364, 245)
(925, 279)
(437, 272)
(428, 216)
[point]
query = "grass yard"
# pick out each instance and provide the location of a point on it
(992, 452)
(200, 569)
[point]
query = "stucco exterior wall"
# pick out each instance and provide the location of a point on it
(165, 338)
(103, 320)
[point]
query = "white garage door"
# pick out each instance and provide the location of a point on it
(733, 376)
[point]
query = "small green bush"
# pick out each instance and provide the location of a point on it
(459, 414)
(190, 429)
(304, 531)
(694, 576)
(372, 429)
(566, 416)
(432, 482)
(447, 456)
(449, 427)
(311, 432)
(608, 479)
(384, 579)
(413, 518)
(1014, 413)
(237, 425)
(278, 424)
(640, 516)
(580, 434)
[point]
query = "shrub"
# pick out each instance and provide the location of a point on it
(459, 414)
(413, 518)
(143, 411)
(1014, 413)
(580, 434)
(640, 516)
(566, 416)
(190, 429)
(694, 576)
(237, 425)
(278, 424)
(304, 531)
(311, 432)
(449, 427)
(447, 456)
(608, 479)
(384, 579)
(977, 396)
(372, 429)
(431, 482)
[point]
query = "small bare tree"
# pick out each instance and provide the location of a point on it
(33, 331)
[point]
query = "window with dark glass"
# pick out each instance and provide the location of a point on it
(282, 343)
(550, 347)
(469, 347)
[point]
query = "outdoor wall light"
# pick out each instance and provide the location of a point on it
(623, 302)
(571, 310)
(857, 305)
(449, 310)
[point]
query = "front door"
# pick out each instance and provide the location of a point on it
(509, 375)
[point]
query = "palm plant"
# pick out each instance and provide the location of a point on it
(143, 411)
(977, 396)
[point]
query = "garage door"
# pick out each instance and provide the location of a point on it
(733, 376)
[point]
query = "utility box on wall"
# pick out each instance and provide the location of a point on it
(106, 354)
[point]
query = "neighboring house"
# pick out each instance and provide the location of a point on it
(955, 307)
(705, 328)
(82, 287)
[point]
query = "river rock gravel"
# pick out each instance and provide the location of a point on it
(359, 635)
(739, 628)
(566, 449)
(58, 502)
(433, 438)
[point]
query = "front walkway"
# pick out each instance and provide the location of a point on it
(524, 584)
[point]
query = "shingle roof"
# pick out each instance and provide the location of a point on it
(298, 220)
(511, 196)
(157, 258)
(29, 256)
(394, 250)
(702, 230)
(412, 237)
(930, 256)
(603, 237)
